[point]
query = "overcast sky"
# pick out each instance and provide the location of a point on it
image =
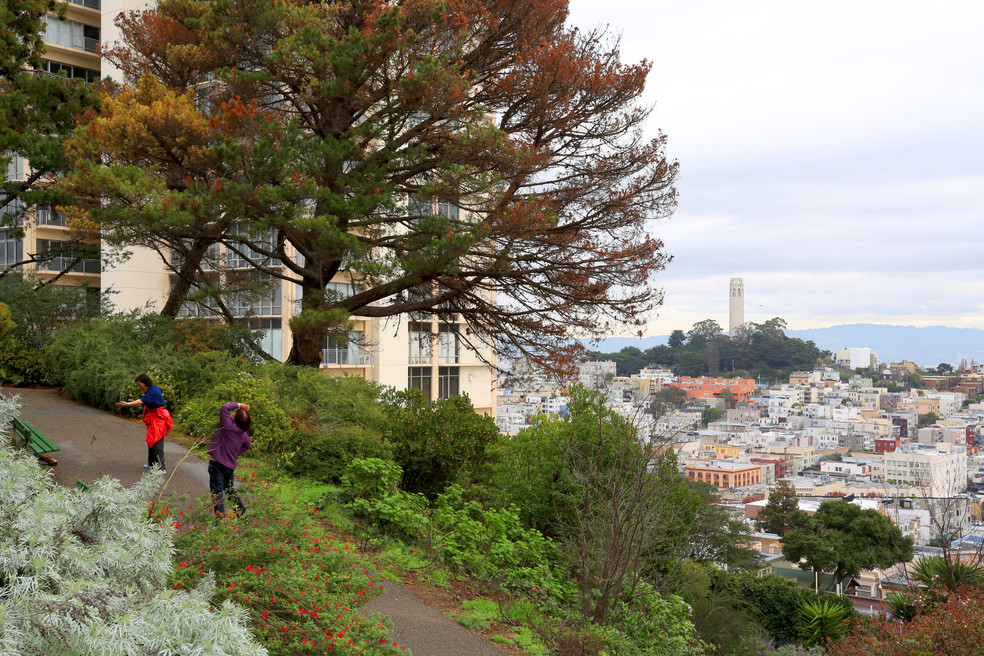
(831, 155)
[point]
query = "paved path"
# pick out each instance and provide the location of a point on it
(95, 443)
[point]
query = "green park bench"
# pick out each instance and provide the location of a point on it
(34, 440)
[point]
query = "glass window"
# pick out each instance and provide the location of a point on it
(271, 335)
(345, 349)
(59, 256)
(15, 167)
(447, 382)
(264, 240)
(48, 216)
(420, 378)
(447, 344)
(69, 71)
(421, 349)
(261, 296)
(71, 34)
(448, 209)
(11, 249)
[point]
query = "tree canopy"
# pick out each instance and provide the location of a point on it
(476, 159)
(843, 539)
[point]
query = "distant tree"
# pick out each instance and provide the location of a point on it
(781, 513)
(703, 331)
(929, 419)
(677, 339)
(728, 398)
(843, 539)
(913, 380)
(962, 367)
(711, 414)
(943, 368)
(717, 536)
(667, 400)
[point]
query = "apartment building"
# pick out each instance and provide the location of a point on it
(940, 470)
(701, 388)
(71, 44)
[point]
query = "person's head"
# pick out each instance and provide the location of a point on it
(144, 382)
(242, 420)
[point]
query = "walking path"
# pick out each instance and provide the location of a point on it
(95, 443)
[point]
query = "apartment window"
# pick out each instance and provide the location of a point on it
(11, 213)
(15, 167)
(420, 378)
(48, 216)
(447, 382)
(200, 302)
(420, 342)
(242, 259)
(345, 349)
(447, 209)
(447, 344)
(71, 34)
(59, 256)
(11, 249)
(260, 295)
(271, 335)
(69, 71)
(91, 4)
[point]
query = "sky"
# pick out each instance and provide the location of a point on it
(831, 155)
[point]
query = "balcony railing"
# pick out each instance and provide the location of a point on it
(49, 217)
(90, 4)
(345, 357)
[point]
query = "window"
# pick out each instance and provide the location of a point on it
(345, 349)
(15, 167)
(420, 378)
(11, 249)
(263, 240)
(259, 296)
(448, 209)
(71, 34)
(10, 214)
(48, 216)
(91, 4)
(271, 338)
(447, 382)
(59, 256)
(447, 344)
(421, 349)
(69, 71)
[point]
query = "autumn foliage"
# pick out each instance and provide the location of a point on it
(953, 628)
(481, 159)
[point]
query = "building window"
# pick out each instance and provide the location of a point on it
(420, 341)
(49, 216)
(15, 167)
(71, 72)
(11, 249)
(91, 4)
(447, 209)
(71, 34)
(420, 378)
(447, 382)
(259, 296)
(60, 255)
(447, 344)
(345, 349)
(271, 335)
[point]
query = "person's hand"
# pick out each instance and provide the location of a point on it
(122, 404)
(244, 407)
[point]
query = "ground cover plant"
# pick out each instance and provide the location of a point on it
(303, 586)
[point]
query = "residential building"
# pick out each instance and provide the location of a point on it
(697, 388)
(856, 358)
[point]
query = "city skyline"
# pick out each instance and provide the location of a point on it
(828, 157)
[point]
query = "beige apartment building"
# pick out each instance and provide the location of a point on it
(71, 45)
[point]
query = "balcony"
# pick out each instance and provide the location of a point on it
(88, 4)
(344, 356)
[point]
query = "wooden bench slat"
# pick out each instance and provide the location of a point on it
(35, 441)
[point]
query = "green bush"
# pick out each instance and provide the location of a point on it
(324, 457)
(271, 428)
(657, 625)
(437, 443)
(21, 365)
(322, 400)
(773, 601)
(96, 361)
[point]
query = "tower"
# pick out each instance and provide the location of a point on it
(736, 306)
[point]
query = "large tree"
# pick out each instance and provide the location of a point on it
(843, 539)
(465, 158)
(38, 110)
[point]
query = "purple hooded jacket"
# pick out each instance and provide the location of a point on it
(229, 440)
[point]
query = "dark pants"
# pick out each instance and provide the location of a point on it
(220, 482)
(155, 454)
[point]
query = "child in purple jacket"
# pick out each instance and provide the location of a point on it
(229, 441)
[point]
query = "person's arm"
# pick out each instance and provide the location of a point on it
(127, 404)
(225, 413)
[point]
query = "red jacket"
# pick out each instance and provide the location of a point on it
(158, 422)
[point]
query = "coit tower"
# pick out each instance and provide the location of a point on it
(736, 308)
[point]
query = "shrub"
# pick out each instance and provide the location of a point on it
(437, 443)
(271, 428)
(821, 620)
(322, 400)
(658, 625)
(324, 457)
(86, 573)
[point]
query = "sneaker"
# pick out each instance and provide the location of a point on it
(146, 466)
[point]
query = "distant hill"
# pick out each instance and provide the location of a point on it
(924, 346)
